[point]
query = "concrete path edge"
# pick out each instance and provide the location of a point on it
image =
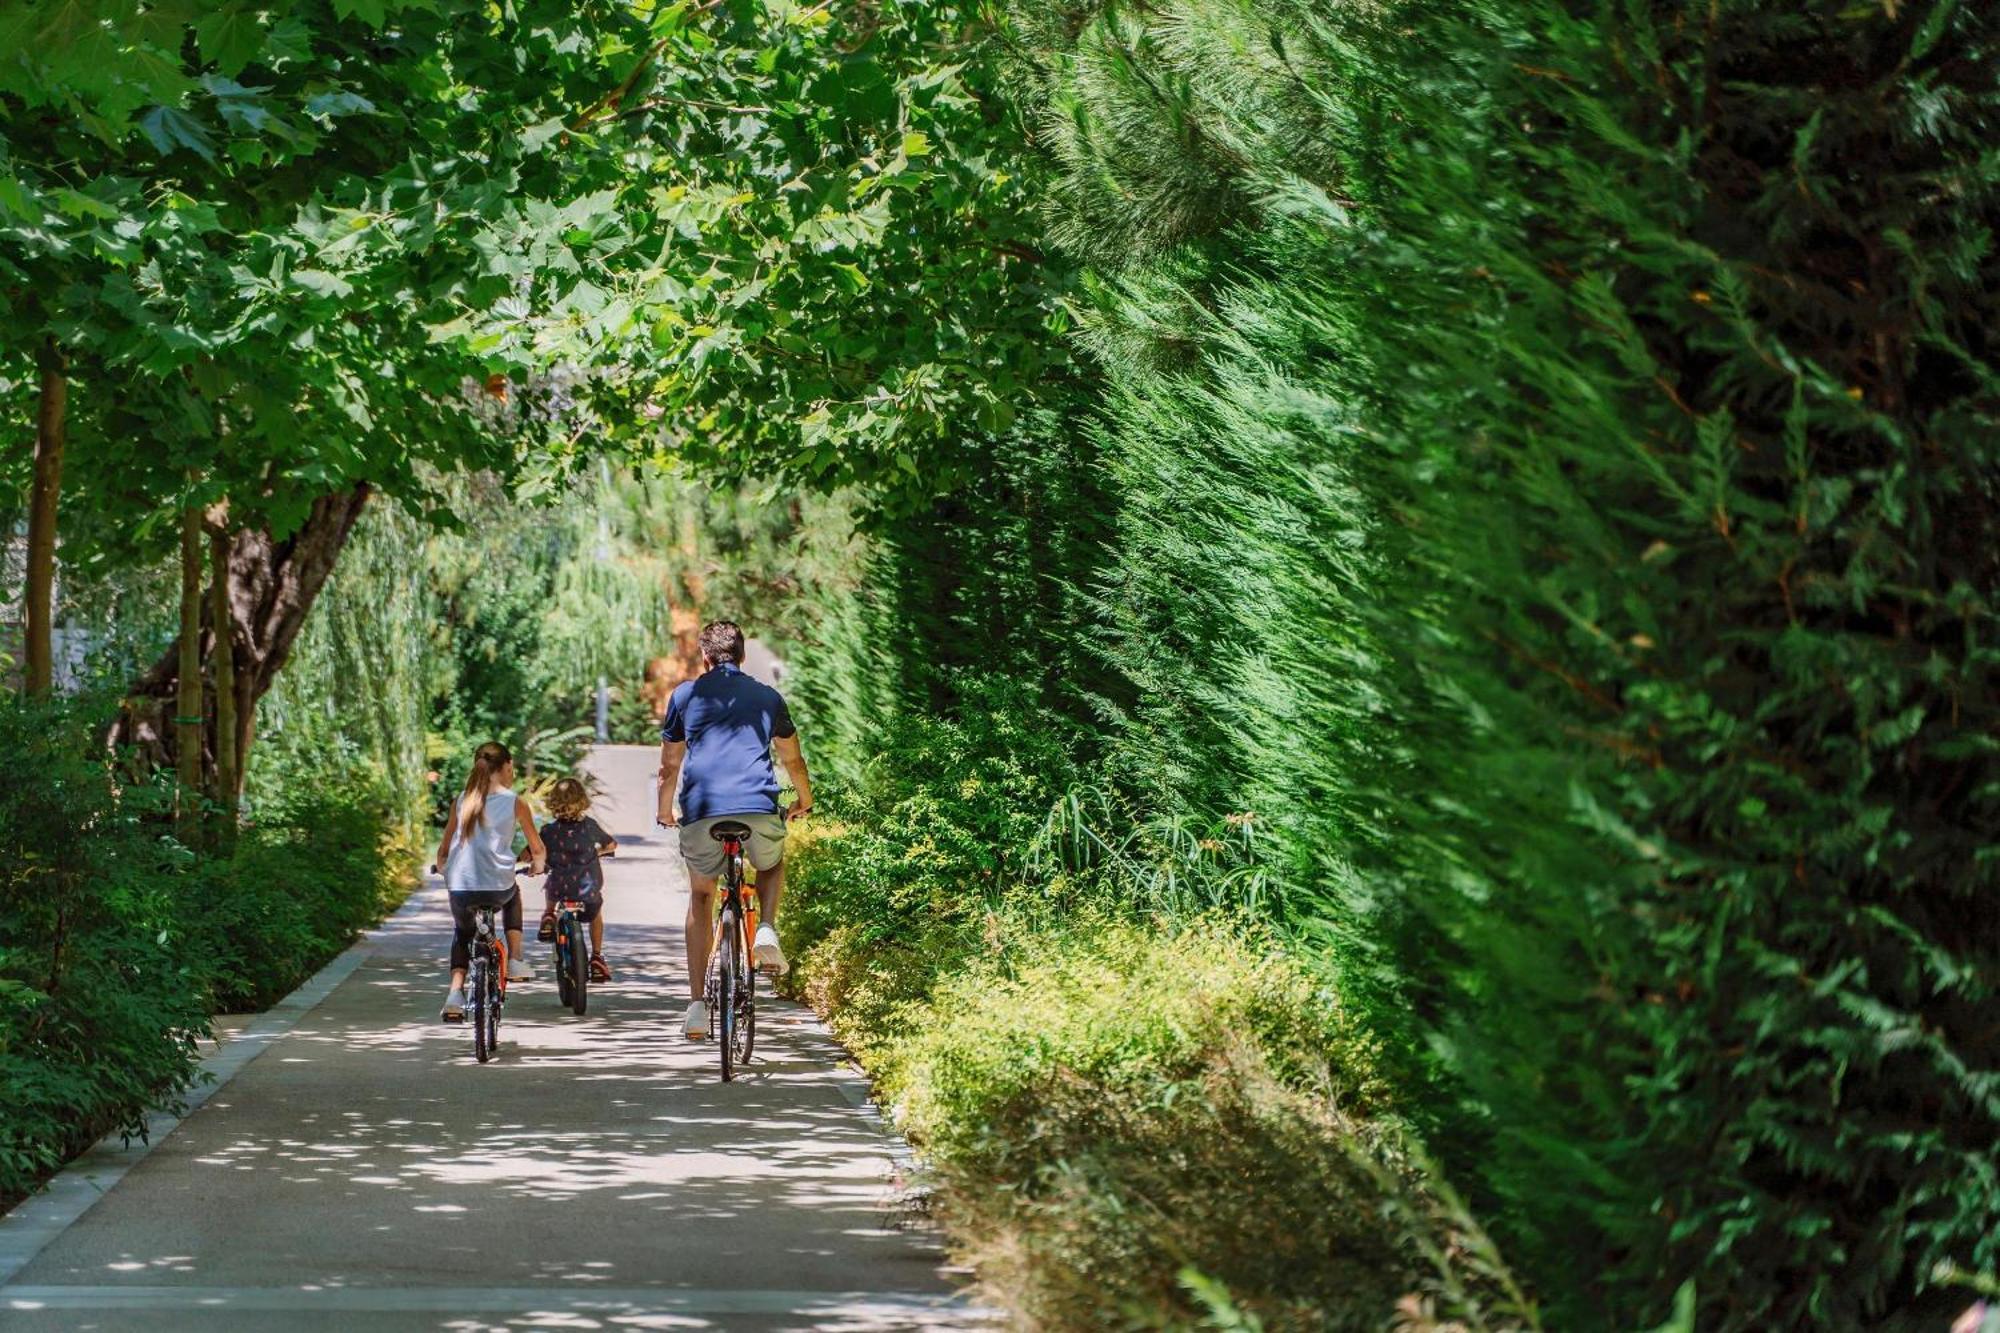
(37, 1220)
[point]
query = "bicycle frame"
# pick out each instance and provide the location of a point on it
(487, 936)
(732, 990)
(745, 893)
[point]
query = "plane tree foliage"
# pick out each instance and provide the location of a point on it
(800, 245)
(290, 256)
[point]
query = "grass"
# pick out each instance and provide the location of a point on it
(1132, 1123)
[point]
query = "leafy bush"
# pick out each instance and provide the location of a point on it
(1129, 1104)
(1553, 457)
(298, 887)
(100, 1003)
(1129, 1124)
(117, 942)
(1127, 1127)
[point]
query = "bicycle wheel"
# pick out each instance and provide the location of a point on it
(482, 1040)
(494, 1003)
(563, 990)
(577, 964)
(727, 970)
(746, 1017)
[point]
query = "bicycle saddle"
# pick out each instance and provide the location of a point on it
(730, 831)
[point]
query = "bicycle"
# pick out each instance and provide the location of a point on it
(572, 957)
(486, 982)
(731, 990)
(572, 971)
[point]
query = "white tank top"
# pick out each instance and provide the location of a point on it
(482, 858)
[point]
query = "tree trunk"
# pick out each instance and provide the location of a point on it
(187, 660)
(222, 670)
(271, 586)
(51, 424)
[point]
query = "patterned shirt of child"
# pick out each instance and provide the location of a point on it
(574, 870)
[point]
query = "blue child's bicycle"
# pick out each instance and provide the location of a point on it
(572, 957)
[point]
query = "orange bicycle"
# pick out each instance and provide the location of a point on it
(486, 982)
(732, 980)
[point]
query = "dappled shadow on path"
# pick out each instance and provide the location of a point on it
(367, 1172)
(594, 1151)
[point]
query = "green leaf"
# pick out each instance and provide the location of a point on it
(1933, 27)
(170, 128)
(163, 23)
(331, 105)
(537, 137)
(321, 283)
(372, 12)
(17, 199)
(289, 40)
(230, 37)
(243, 108)
(76, 204)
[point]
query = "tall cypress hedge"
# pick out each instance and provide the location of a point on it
(1554, 462)
(986, 580)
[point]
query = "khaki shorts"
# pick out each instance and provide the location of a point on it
(703, 854)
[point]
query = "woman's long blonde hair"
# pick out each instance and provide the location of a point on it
(487, 761)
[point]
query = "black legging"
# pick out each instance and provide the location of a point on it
(463, 926)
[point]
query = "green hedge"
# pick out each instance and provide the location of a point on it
(1555, 452)
(100, 1001)
(1542, 473)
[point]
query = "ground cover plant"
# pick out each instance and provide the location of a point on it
(1123, 1114)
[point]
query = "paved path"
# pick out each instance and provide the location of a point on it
(362, 1172)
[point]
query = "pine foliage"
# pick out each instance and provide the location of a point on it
(1554, 467)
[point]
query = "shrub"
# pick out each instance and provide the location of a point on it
(1129, 1125)
(316, 869)
(935, 831)
(100, 1007)
(1554, 452)
(1133, 1128)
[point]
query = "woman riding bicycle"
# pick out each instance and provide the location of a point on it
(477, 855)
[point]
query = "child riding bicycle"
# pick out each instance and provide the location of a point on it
(575, 843)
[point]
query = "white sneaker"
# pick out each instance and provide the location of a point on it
(518, 970)
(767, 953)
(696, 1027)
(454, 1007)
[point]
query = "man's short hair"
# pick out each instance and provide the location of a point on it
(722, 641)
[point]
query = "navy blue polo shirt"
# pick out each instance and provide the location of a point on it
(728, 720)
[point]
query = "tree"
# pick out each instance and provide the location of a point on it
(51, 402)
(801, 245)
(241, 253)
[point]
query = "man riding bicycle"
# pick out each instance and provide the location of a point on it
(715, 756)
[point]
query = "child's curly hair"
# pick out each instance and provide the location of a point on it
(568, 799)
